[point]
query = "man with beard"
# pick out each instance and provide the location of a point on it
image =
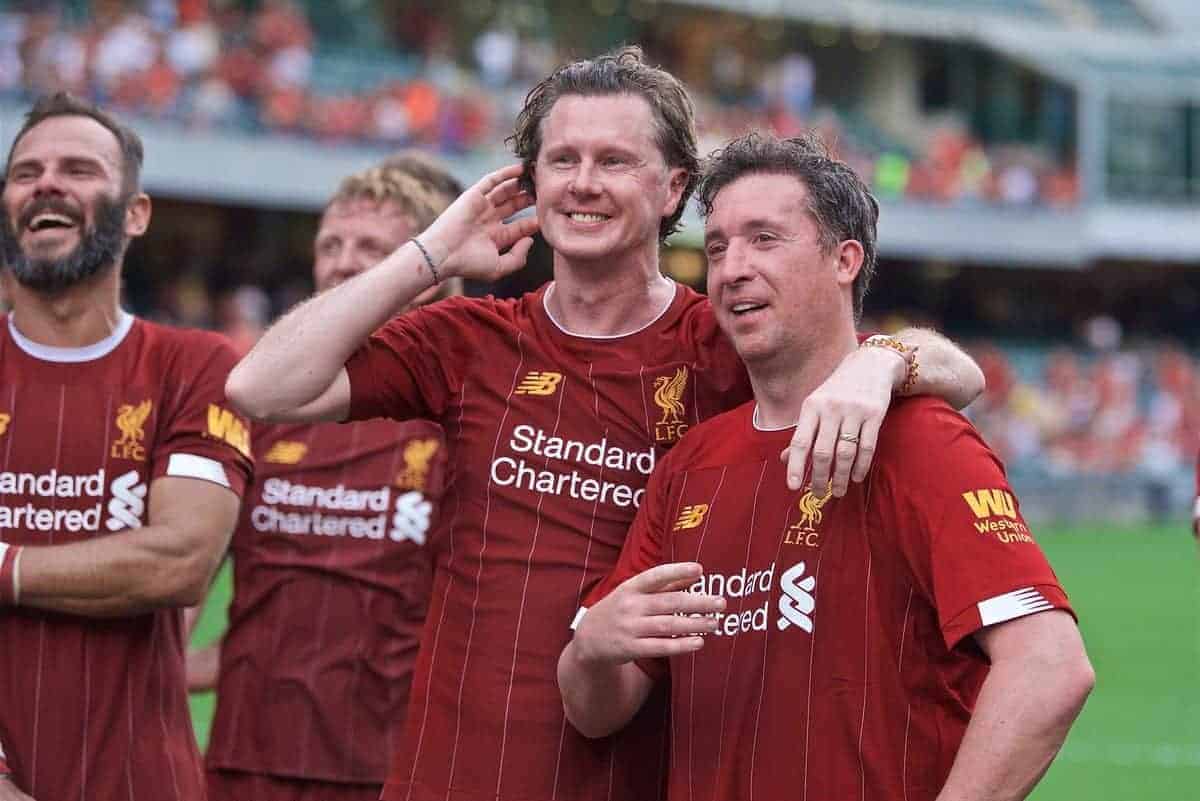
(121, 470)
(332, 567)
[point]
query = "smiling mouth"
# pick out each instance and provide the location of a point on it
(50, 221)
(587, 217)
(746, 307)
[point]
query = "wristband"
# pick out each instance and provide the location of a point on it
(10, 589)
(428, 260)
(912, 369)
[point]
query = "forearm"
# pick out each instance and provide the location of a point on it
(1020, 721)
(600, 699)
(203, 667)
(130, 572)
(944, 369)
(299, 357)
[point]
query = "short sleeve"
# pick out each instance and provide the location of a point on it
(203, 437)
(413, 365)
(958, 523)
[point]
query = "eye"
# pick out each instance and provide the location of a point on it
(764, 238)
(613, 161)
(715, 250)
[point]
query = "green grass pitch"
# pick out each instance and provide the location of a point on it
(1137, 591)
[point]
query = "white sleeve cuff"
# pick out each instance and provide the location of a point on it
(578, 617)
(187, 465)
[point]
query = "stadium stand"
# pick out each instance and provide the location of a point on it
(1056, 137)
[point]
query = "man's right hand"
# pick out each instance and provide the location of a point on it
(472, 239)
(9, 791)
(650, 615)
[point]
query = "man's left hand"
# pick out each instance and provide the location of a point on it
(839, 422)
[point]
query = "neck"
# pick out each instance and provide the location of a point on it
(783, 382)
(606, 299)
(76, 317)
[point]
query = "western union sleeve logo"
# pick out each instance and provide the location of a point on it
(5, 419)
(691, 516)
(539, 383)
(224, 425)
(991, 503)
(131, 421)
(286, 452)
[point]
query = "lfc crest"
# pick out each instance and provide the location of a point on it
(131, 421)
(417, 455)
(804, 531)
(668, 397)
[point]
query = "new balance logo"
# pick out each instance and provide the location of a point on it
(285, 452)
(539, 383)
(128, 502)
(990, 503)
(796, 604)
(691, 516)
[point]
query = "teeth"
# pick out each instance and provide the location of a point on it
(587, 218)
(741, 307)
(45, 218)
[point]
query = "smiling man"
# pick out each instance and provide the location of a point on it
(556, 406)
(121, 469)
(904, 642)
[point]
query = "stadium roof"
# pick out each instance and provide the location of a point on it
(1077, 41)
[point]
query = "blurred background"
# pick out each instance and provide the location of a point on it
(1038, 164)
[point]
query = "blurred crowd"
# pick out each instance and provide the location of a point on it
(205, 63)
(1068, 412)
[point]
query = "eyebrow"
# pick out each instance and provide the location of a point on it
(754, 224)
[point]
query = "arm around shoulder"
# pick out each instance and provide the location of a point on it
(943, 368)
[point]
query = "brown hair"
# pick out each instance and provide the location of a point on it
(64, 104)
(838, 199)
(623, 71)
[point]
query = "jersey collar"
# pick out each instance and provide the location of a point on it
(87, 353)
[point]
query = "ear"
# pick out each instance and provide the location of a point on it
(137, 216)
(850, 256)
(677, 179)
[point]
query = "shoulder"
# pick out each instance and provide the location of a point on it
(458, 315)
(188, 341)
(925, 430)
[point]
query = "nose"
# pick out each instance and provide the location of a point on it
(583, 180)
(737, 265)
(347, 264)
(47, 184)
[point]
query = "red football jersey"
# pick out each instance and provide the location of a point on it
(551, 438)
(94, 708)
(331, 582)
(842, 666)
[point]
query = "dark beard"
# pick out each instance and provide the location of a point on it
(97, 252)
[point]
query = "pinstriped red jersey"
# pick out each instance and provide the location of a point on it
(551, 438)
(332, 571)
(842, 666)
(97, 708)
